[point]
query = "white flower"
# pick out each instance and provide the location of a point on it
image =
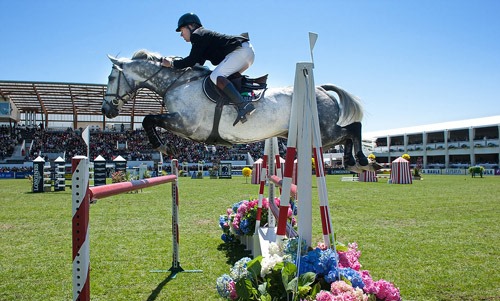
(275, 249)
(268, 264)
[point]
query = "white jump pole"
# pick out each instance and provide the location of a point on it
(271, 151)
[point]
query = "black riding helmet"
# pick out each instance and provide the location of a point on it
(187, 19)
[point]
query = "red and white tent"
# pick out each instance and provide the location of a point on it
(368, 176)
(400, 172)
(256, 170)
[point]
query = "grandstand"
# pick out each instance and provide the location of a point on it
(46, 119)
(457, 144)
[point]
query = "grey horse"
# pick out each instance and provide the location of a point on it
(191, 113)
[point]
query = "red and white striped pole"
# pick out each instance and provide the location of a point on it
(278, 160)
(263, 175)
(80, 226)
(291, 151)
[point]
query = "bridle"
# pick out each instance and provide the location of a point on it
(117, 97)
(133, 91)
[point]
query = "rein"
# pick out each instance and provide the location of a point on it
(175, 83)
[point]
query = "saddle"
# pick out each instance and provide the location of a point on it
(251, 89)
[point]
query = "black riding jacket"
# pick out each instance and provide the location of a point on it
(209, 45)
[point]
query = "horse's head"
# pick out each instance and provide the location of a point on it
(120, 88)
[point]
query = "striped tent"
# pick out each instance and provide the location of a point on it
(368, 176)
(256, 170)
(400, 172)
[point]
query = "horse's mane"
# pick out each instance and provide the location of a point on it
(144, 54)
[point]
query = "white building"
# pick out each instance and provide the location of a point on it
(457, 144)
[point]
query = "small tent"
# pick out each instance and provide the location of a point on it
(400, 171)
(256, 170)
(368, 176)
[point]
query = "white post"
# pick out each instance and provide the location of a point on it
(304, 91)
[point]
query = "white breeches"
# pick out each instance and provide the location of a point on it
(237, 61)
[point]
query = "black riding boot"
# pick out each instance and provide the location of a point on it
(244, 107)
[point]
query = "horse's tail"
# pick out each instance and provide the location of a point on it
(351, 109)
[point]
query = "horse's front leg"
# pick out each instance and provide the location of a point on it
(151, 122)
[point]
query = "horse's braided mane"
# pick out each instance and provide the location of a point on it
(144, 54)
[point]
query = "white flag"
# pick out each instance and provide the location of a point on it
(86, 139)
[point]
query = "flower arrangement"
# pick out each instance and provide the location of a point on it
(406, 157)
(241, 217)
(418, 167)
(324, 275)
(246, 172)
(118, 176)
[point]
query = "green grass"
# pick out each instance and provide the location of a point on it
(437, 239)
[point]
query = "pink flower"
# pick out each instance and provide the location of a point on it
(253, 203)
(232, 287)
(324, 296)
(340, 287)
(322, 246)
(243, 208)
(387, 291)
(341, 291)
(369, 287)
(265, 203)
(350, 259)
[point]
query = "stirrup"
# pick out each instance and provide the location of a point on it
(242, 114)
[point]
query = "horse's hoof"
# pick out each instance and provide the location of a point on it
(361, 158)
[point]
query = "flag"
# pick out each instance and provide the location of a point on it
(86, 139)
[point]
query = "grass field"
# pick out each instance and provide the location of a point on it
(437, 239)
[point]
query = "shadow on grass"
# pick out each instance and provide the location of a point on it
(234, 251)
(159, 287)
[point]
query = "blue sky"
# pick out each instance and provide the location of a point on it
(410, 62)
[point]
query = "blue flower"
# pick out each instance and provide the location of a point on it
(353, 276)
(226, 238)
(236, 206)
(223, 220)
(327, 261)
(239, 270)
(245, 226)
(291, 248)
(223, 285)
(332, 276)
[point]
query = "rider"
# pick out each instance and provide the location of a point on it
(230, 54)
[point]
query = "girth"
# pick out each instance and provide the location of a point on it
(252, 89)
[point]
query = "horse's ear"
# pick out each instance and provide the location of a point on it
(113, 60)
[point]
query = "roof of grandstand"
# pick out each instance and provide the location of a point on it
(72, 98)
